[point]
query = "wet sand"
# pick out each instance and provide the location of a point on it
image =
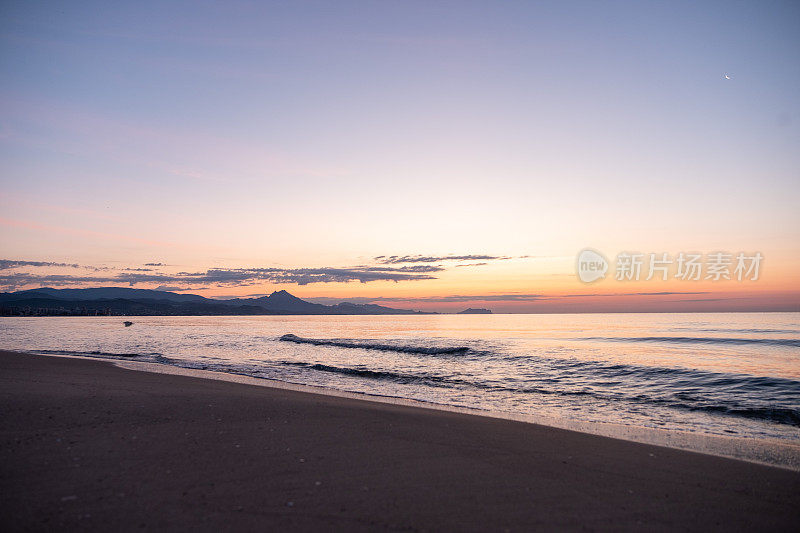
(88, 445)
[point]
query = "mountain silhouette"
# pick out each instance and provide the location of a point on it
(100, 293)
(125, 301)
(284, 302)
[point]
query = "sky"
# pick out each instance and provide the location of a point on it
(236, 148)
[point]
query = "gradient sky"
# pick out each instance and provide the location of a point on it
(299, 135)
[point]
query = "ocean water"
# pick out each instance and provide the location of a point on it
(732, 374)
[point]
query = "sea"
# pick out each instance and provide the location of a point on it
(721, 374)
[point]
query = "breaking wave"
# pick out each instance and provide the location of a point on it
(371, 345)
(702, 340)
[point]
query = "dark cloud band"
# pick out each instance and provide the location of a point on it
(229, 277)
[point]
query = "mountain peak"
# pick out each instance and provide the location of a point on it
(283, 296)
(281, 293)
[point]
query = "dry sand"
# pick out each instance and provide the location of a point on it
(87, 445)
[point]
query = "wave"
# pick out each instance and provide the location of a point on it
(684, 389)
(97, 353)
(701, 340)
(368, 345)
(738, 330)
(591, 384)
(395, 377)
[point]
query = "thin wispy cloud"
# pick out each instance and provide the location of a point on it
(472, 264)
(5, 264)
(456, 298)
(397, 259)
(8, 264)
(660, 293)
(408, 268)
(174, 288)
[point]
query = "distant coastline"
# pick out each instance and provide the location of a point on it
(124, 301)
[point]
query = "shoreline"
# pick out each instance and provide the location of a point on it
(88, 444)
(768, 452)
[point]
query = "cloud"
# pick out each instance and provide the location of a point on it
(230, 276)
(169, 288)
(708, 299)
(305, 276)
(22, 279)
(469, 298)
(471, 265)
(395, 259)
(328, 300)
(407, 268)
(456, 298)
(5, 264)
(662, 293)
(430, 299)
(388, 268)
(393, 268)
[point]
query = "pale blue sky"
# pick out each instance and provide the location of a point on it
(256, 133)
